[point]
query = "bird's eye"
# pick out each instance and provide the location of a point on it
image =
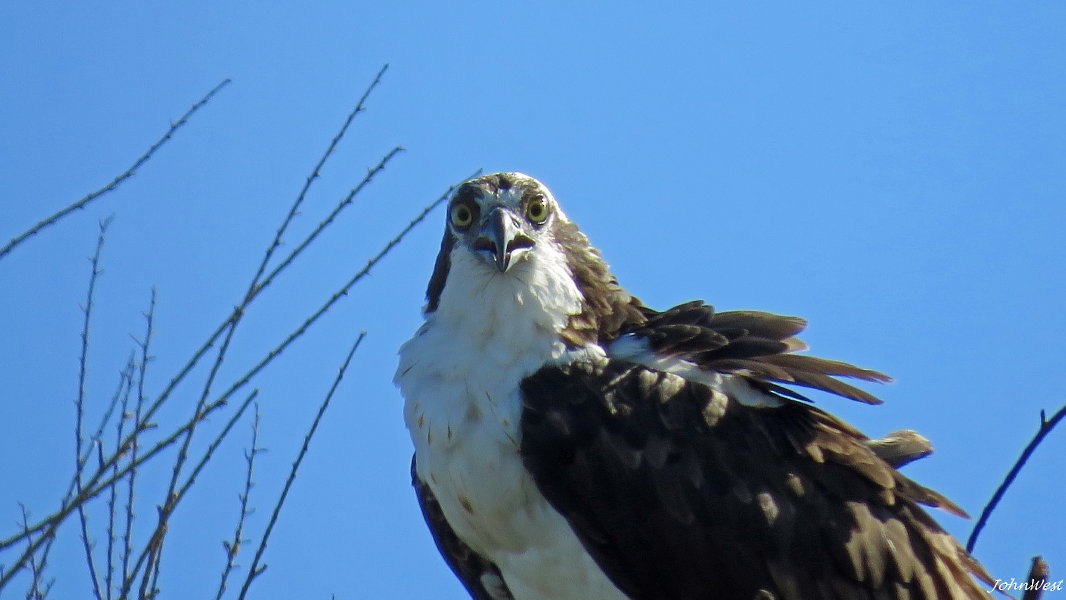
(537, 211)
(462, 216)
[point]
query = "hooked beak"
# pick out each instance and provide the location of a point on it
(502, 238)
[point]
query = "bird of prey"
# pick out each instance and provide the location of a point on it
(572, 443)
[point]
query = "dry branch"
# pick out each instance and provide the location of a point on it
(142, 370)
(112, 499)
(315, 173)
(118, 465)
(52, 220)
(1046, 425)
(79, 406)
(255, 570)
(254, 288)
(99, 482)
(233, 546)
(151, 550)
(35, 592)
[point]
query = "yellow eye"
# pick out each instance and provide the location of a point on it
(462, 216)
(537, 211)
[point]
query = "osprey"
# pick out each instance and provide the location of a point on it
(572, 443)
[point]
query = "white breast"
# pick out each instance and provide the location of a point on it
(460, 379)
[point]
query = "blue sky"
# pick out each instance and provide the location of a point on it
(893, 173)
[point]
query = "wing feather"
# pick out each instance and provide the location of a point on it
(754, 344)
(679, 491)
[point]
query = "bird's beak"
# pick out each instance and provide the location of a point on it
(502, 238)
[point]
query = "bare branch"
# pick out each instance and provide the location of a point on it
(313, 176)
(236, 386)
(79, 405)
(255, 570)
(36, 567)
(344, 203)
(117, 180)
(128, 455)
(151, 552)
(233, 547)
(340, 293)
(125, 380)
(256, 286)
(253, 292)
(1046, 425)
(93, 488)
(112, 498)
(225, 327)
(127, 534)
(99, 482)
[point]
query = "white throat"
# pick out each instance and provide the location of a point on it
(489, 331)
(460, 378)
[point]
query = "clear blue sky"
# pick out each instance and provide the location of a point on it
(893, 173)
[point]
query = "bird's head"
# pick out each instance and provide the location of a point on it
(506, 228)
(502, 218)
(508, 238)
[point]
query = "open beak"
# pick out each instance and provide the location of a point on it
(502, 238)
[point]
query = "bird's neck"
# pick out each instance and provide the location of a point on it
(534, 299)
(490, 330)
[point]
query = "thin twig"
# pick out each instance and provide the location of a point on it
(344, 203)
(274, 353)
(1046, 425)
(255, 570)
(227, 325)
(254, 290)
(117, 180)
(125, 378)
(36, 568)
(79, 404)
(224, 327)
(94, 488)
(112, 498)
(123, 383)
(315, 173)
(333, 299)
(142, 371)
(174, 497)
(96, 484)
(148, 554)
(145, 591)
(256, 286)
(234, 546)
(342, 292)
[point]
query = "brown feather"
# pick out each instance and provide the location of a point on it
(662, 497)
(826, 367)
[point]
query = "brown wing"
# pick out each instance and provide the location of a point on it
(679, 491)
(479, 576)
(755, 344)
